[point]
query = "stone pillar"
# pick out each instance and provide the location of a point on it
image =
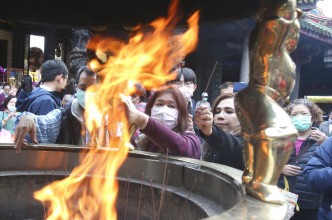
(295, 92)
(50, 36)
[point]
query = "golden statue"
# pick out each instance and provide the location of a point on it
(267, 129)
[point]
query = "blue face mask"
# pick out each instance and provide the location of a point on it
(205, 99)
(81, 98)
(302, 123)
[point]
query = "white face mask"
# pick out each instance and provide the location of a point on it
(11, 108)
(165, 115)
(186, 92)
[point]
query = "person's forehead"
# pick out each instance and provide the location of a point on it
(300, 107)
(227, 90)
(166, 97)
(87, 79)
(229, 102)
(181, 78)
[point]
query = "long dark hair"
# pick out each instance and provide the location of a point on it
(7, 100)
(181, 104)
(27, 83)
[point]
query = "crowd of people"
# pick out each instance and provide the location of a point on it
(170, 121)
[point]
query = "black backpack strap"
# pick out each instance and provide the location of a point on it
(310, 142)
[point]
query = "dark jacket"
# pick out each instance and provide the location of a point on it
(318, 175)
(228, 148)
(325, 128)
(2, 98)
(39, 101)
(297, 184)
(71, 124)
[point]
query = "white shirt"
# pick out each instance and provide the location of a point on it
(45, 87)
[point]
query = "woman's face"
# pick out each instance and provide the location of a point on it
(166, 99)
(300, 110)
(225, 116)
(12, 102)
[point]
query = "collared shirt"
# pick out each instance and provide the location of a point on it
(46, 88)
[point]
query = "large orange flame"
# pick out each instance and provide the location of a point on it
(90, 191)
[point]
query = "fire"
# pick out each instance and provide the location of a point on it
(90, 191)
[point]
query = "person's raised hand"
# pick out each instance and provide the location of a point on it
(318, 136)
(204, 119)
(25, 126)
(10, 115)
(133, 115)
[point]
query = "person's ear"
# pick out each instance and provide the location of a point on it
(195, 86)
(59, 77)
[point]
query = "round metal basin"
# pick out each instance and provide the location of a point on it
(193, 189)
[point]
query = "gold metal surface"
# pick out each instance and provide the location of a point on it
(267, 129)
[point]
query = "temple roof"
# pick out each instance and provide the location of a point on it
(316, 25)
(306, 5)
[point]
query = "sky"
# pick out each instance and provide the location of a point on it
(326, 6)
(37, 41)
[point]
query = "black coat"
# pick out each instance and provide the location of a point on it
(297, 184)
(70, 132)
(227, 148)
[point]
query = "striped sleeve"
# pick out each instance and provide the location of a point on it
(47, 126)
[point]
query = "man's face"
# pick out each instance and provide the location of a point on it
(86, 80)
(63, 82)
(190, 84)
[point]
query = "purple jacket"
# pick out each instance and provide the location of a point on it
(2, 98)
(187, 144)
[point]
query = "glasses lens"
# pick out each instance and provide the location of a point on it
(178, 83)
(189, 83)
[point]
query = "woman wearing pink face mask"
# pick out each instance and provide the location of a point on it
(164, 125)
